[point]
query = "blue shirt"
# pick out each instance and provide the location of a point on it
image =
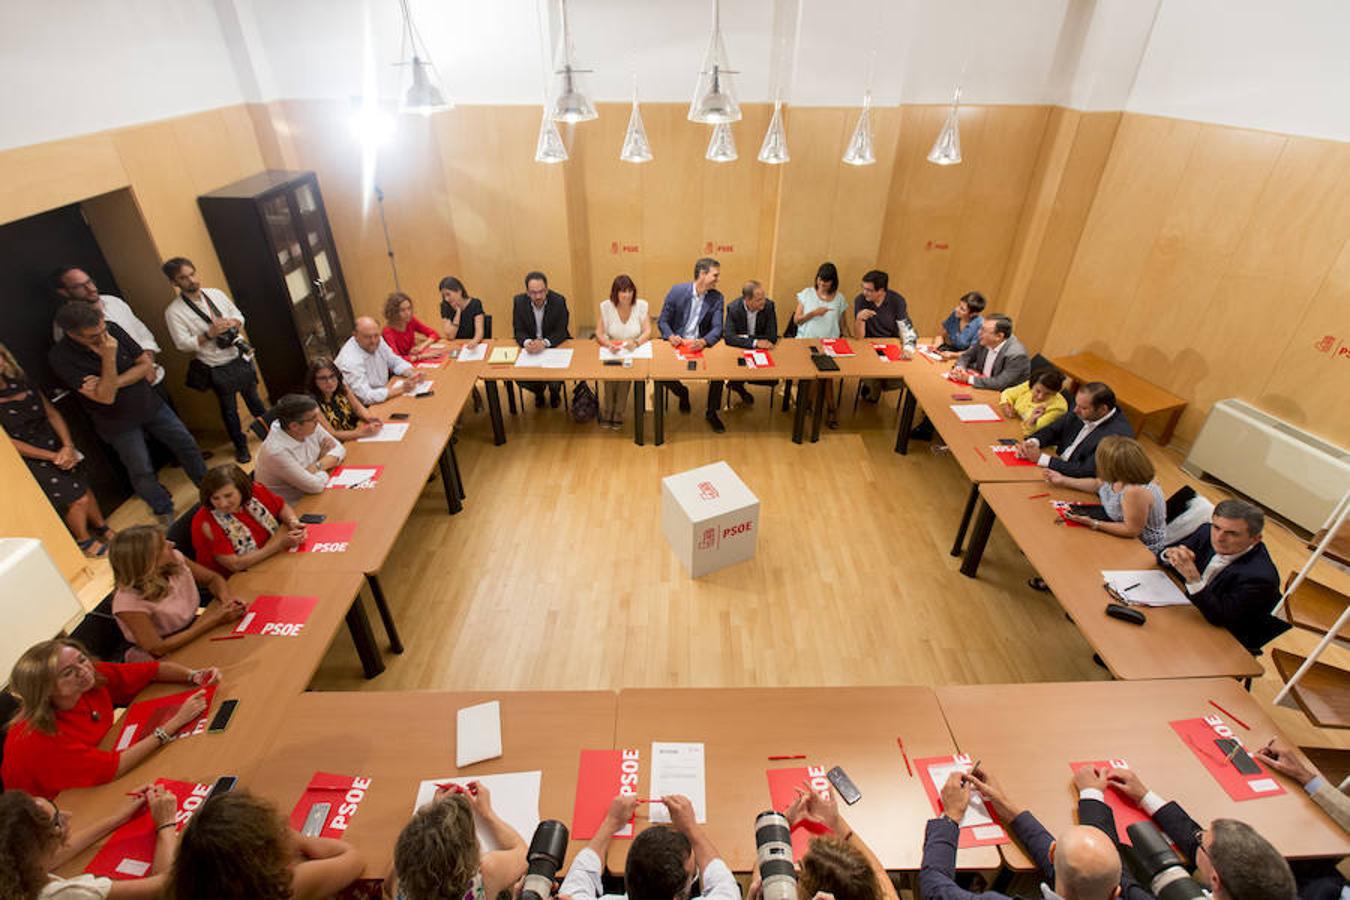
(958, 337)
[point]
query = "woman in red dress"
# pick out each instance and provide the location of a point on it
(406, 336)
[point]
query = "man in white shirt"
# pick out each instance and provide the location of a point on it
(70, 283)
(299, 453)
(1075, 437)
(997, 361)
(368, 363)
(206, 323)
(663, 861)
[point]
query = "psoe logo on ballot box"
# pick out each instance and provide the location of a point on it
(710, 518)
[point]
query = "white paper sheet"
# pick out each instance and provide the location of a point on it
(515, 797)
(350, 477)
(643, 352)
(472, 354)
(976, 813)
(552, 358)
(678, 769)
(390, 431)
(478, 733)
(420, 388)
(1147, 587)
(975, 412)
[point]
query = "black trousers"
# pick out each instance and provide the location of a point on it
(229, 409)
(714, 393)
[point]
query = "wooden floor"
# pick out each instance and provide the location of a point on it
(556, 576)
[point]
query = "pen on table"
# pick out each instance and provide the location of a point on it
(901, 743)
(1039, 496)
(232, 636)
(1230, 715)
(790, 756)
(1131, 587)
(977, 450)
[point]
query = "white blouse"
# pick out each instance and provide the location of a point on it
(618, 330)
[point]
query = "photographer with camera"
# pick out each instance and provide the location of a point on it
(1230, 858)
(663, 862)
(206, 323)
(437, 853)
(1081, 865)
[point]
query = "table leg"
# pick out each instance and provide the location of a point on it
(965, 518)
(454, 467)
(659, 411)
(799, 418)
(449, 483)
(787, 395)
(387, 617)
(1166, 437)
(495, 413)
(639, 412)
(818, 392)
(511, 397)
(364, 639)
(984, 523)
(906, 423)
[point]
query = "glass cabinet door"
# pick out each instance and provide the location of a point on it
(318, 243)
(316, 336)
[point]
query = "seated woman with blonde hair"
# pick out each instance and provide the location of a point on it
(1132, 501)
(437, 853)
(156, 600)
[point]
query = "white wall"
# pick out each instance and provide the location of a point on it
(1276, 66)
(74, 66)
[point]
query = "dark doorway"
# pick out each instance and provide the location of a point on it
(29, 250)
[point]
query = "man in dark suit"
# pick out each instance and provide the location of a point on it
(997, 361)
(751, 324)
(539, 317)
(1229, 574)
(1089, 866)
(1230, 858)
(1075, 437)
(691, 317)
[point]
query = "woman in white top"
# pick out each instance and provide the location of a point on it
(39, 839)
(299, 453)
(624, 325)
(820, 314)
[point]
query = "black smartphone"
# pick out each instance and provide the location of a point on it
(398, 417)
(224, 784)
(740, 360)
(692, 365)
(420, 396)
(312, 518)
(612, 362)
(1007, 442)
(848, 791)
(222, 717)
(1239, 758)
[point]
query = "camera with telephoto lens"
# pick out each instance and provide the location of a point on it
(773, 853)
(548, 849)
(1157, 865)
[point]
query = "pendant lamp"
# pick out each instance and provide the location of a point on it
(635, 146)
(549, 148)
(714, 100)
(424, 93)
(947, 148)
(722, 145)
(572, 104)
(774, 150)
(859, 151)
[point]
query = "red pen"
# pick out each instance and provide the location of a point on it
(227, 637)
(1039, 496)
(977, 450)
(1230, 715)
(790, 756)
(901, 743)
(650, 800)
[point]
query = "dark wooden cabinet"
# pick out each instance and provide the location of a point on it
(272, 237)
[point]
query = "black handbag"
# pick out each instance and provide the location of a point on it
(199, 375)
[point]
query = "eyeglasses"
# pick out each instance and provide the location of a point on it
(1200, 843)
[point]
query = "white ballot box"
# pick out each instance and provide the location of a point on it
(710, 518)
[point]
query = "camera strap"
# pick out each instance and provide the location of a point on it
(215, 313)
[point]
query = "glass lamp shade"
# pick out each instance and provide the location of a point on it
(572, 105)
(947, 148)
(549, 148)
(774, 150)
(424, 94)
(635, 146)
(859, 151)
(722, 145)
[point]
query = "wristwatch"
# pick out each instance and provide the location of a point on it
(162, 736)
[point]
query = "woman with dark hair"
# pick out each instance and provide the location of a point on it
(236, 847)
(40, 434)
(239, 523)
(348, 418)
(624, 326)
(1036, 401)
(404, 334)
(437, 854)
(461, 315)
(299, 452)
(820, 314)
(961, 329)
(35, 838)
(157, 600)
(66, 703)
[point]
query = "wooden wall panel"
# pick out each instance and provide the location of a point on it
(47, 176)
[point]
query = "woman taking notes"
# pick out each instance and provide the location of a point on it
(404, 334)
(239, 523)
(66, 703)
(156, 600)
(1130, 497)
(820, 314)
(624, 325)
(347, 417)
(1036, 401)
(437, 854)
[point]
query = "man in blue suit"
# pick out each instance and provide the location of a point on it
(691, 316)
(1229, 574)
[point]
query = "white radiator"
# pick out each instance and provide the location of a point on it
(1284, 469)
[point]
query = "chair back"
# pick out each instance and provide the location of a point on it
(487, 327)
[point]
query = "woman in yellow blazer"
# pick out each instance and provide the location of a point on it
(1036, 401)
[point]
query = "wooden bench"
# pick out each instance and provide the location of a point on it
(1135, 395)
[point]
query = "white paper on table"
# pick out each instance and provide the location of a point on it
(389, 431)
(551, 358)
(472, 354)
(515, 797)
(678, 769)
(1147, 587)
(642, 352)
(975, 412)
(420, 388)
(478, 733)
(350, 477)
(976, 813)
